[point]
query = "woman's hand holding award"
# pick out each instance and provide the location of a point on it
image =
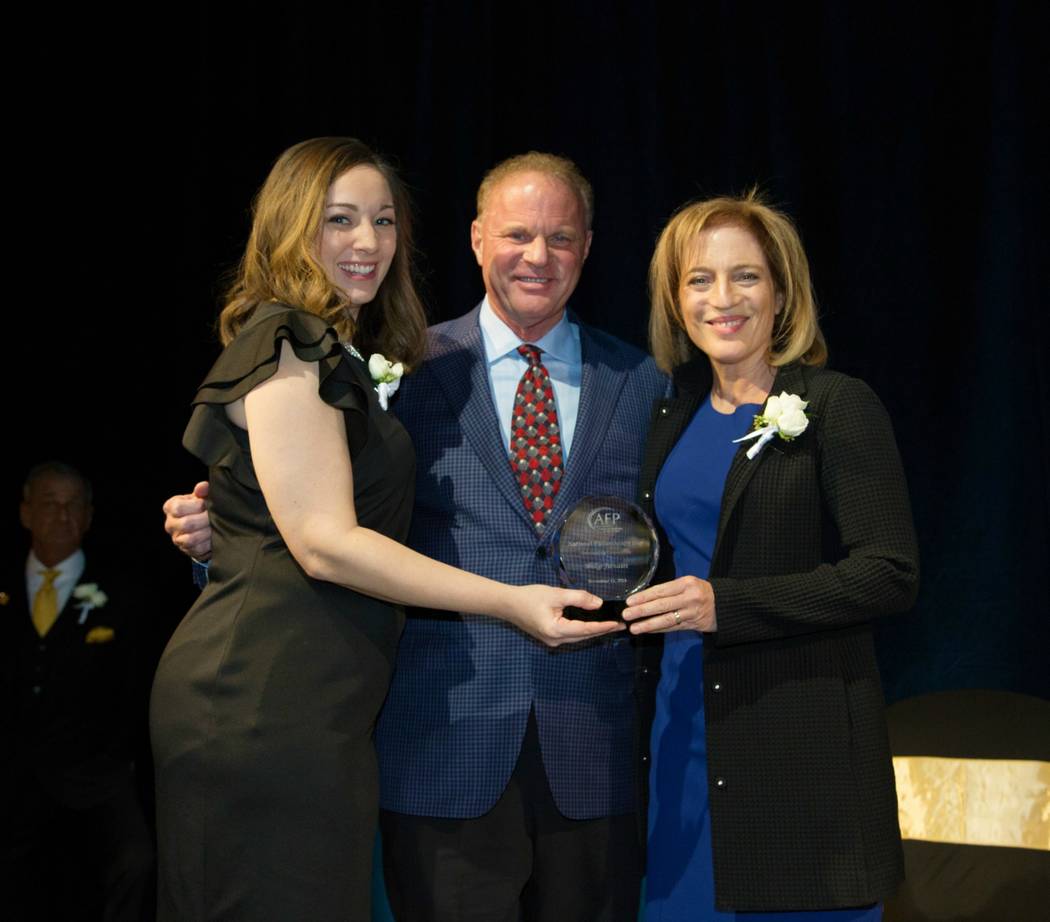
(608, 546)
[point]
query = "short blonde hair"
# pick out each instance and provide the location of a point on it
(280, 262)
(561, 168)
(796, 330)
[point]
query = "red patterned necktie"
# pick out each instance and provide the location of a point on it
(535, 439)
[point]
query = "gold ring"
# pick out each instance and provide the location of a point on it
(677, 617)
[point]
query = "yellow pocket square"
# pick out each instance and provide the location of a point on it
(100, 635)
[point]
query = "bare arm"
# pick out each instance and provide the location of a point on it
(302, 462)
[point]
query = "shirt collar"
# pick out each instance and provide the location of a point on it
(499, 339)
(73, 563)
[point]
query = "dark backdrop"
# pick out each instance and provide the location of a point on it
(906, 140)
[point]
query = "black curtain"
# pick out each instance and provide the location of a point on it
(907, 140)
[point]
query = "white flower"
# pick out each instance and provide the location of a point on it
(384, 372)
(387, 377)
(791, 424)
(783, 416)
(385, 390)
(90, 594)
(772, 410)
(783, 404)
(89, 597)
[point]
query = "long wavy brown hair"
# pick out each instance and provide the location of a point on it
(280, 263)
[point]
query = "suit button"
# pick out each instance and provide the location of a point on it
(36, 689)
(42, 647)
(663, 411)
(647, 495)
(645, 758)
(645, 670)
(541, 553)
(720, 783)
(717, 686)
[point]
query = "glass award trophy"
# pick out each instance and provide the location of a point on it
(608, 546)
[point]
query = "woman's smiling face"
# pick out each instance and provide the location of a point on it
(728, 299)
(358, 234)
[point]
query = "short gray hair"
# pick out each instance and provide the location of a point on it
(56, 469)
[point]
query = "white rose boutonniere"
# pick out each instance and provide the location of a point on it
(88, 597)
(386, 375)
(783, 416)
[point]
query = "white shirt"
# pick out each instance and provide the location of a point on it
(69, 572)
(562, 358)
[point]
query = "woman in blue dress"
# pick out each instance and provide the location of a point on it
(771, 784)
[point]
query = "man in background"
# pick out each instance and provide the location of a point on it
(76, 845)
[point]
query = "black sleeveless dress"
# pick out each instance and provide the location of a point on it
(265, 699)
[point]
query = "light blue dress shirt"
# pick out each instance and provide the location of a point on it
(561, 356)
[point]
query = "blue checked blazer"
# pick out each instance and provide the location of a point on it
(453, 724)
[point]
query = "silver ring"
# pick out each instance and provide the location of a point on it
(677, 617)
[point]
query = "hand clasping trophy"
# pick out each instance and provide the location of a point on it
(608, 546)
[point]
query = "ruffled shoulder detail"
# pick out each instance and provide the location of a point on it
(253, 358)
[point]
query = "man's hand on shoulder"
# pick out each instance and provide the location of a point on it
(186, 520)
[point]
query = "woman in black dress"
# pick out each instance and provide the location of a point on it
(265, 699)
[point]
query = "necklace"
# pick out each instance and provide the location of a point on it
(349, 347)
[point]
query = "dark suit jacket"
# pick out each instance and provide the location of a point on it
(453, 723)
(69, 701)
(815, 538)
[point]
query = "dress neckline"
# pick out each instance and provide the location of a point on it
(708, 405)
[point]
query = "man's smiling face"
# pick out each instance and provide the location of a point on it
(530, 240)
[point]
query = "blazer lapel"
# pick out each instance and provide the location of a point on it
(14, 593)
(789, 378)
(75, 611)
(15, 607)
(458, 364)
(600, 386)
(671, 415)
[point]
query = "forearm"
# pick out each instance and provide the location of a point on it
(369, 562)
(869, 564)
(302, 461)
(829, 597)
(301, 458)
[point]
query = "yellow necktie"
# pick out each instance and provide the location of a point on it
(45, 605)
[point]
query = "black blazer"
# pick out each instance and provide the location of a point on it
(815, 538)
(71, 697)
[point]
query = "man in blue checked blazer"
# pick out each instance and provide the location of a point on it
(507, 768)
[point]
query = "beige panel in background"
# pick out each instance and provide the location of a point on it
(974, 801)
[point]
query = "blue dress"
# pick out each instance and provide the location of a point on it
(680, 879)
